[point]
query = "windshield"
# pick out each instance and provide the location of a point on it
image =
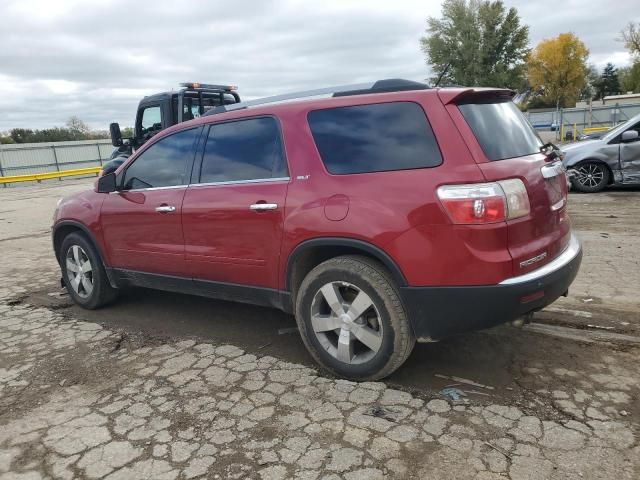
(620, 128)
(501, 129)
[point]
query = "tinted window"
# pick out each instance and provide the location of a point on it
(243, 150)
(163, 163)
(374, 138)
(501, 130)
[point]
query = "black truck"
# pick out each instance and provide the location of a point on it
(162, 110)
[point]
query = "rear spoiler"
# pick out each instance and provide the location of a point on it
(464, 95)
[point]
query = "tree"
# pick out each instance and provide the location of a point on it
(630, 78)
(557, 69)
(78, 130)
(482, 43)
(593, 83)
(6, 139)
(630, 35)
(610, 82)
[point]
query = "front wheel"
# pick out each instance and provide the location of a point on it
(351, 319)
(83, 273)
(590, 177)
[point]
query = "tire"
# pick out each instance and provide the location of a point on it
(590, 177)
(383, 324)
(88, 284)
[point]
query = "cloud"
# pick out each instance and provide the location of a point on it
(97, 58)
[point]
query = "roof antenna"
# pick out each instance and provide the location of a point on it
(444, 72)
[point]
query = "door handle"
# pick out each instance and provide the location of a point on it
(165, 209)
(258, 207)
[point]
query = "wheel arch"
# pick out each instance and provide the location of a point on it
(310, 253)
(66, 227)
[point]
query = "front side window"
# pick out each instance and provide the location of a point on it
(151, 119)
(163, 164)
(374, 138)
(243, 150)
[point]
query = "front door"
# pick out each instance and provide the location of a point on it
(142, 223)
(233, 211)
(630, 158)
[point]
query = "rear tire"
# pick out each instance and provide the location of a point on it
(590, 177)
(83, 273)
(344, 300)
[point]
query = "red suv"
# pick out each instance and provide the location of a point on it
(381, 215)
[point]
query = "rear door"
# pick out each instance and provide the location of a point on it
(630, 158)
(142, 223)
(506, 146)
(233, 210)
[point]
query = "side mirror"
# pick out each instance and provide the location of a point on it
(629, 136)
(107, 183)
(116, 135)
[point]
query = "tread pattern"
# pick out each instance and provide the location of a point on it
(104, 293)
(378, 276)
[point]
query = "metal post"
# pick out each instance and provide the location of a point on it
(561, 125)
(2, 170)
(55, 159)
(99, 154)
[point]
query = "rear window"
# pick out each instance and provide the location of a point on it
(374, 138)
(501, 129)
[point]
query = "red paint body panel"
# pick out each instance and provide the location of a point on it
(214, 236)
(227, 242)
(139, 238)
(543, 230)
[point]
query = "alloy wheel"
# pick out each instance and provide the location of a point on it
(79, 271)
(346, 322)
(590, 175)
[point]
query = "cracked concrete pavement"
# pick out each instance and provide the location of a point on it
(82, 399)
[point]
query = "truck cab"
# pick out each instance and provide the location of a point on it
(163, 110)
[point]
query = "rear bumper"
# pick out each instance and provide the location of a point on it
(438, 312)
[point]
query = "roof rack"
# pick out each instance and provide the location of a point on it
(380, 86)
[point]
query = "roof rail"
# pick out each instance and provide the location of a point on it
(380, 86)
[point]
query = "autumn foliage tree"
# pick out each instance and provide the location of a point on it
(557, 69)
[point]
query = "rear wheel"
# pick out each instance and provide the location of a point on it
(351, 319)
(83, 273)
(590, 177)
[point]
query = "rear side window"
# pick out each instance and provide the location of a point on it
(243, 150)
(374, 138)
(501, 129)
(164, 163)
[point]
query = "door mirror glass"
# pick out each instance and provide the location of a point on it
(107, 183)
(629, 136)
(116, 135)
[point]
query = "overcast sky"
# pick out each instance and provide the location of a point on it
(97, 58)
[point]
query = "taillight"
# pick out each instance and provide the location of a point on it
(485, 202)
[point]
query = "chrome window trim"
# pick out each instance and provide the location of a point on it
(569, 253)
(149, 189)
(240, 182)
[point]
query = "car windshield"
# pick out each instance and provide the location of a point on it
(620, 128)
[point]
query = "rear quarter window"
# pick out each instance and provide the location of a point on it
(501, 129)
(374, 138)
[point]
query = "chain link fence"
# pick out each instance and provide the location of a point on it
(30, 158)
(570, 119)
